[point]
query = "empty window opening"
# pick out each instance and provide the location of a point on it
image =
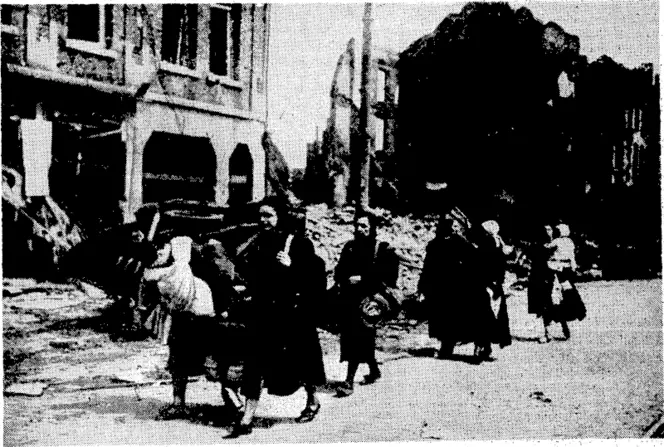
(91, 23)
(225, 40)
(179, 35)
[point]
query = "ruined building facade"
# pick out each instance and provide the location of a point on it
(329, 162)
(120, 105)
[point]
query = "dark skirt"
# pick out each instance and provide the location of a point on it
(282, 358)
(461, 314)
(191, 339)
(571, 305)
(357, 340)
(540, 287)
(501, 334)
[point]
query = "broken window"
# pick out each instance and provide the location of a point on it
(225, 40)
(11, 17)
(91, 23)
(179, 34)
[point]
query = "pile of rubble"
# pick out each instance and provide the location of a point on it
(41, 217)
(330, 229)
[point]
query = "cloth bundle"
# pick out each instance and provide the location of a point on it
(179, 287)
(180, 290)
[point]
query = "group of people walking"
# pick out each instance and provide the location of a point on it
(189, 305)
(278, 347)
(462, 286)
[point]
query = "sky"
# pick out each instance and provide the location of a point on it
(306, 40)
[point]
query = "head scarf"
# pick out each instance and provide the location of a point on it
(563, 230)
(366, 246)
(280, 207)
(492, 227)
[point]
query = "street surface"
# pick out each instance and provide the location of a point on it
(605, 382)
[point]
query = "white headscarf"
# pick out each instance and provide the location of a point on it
(491, 226)
(563, 230)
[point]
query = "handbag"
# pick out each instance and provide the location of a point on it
(381, 306)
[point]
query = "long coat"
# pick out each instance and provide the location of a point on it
(284, 346)
(379, 269)
(493, 264)
(540, 282)
(455, 292)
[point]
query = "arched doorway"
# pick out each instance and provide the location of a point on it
(179, 167)
(241, 176)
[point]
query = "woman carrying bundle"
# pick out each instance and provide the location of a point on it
(567, 303)
(184, 318)
(283, 276)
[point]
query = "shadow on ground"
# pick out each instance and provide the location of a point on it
(148, 409)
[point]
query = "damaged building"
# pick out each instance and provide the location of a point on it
(329, 161)
(108, 107)
(140, 103)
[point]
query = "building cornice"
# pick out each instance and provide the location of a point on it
(200, 106)
(53, 76)
(128, 92)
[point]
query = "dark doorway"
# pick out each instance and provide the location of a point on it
(241, 173)
(179, 167)
(87, 175)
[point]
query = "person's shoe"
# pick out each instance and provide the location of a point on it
(566, 334)
(344, 390)
(171, 412)
(240, 429)
(308, 414)
(482, 354)
(371, 378)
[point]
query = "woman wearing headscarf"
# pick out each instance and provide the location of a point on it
(183, 317)
(366, 267)
(453, 289)
(283, 276)
(493, 257)
(540, 280)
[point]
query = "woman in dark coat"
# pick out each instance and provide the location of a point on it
(283, 276)
(365, 268)
(454, 289)
(540, 280)
(493, 256)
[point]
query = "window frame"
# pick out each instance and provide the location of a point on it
(176, 67)
(230, 78)
(7, 28)
(98, 47)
